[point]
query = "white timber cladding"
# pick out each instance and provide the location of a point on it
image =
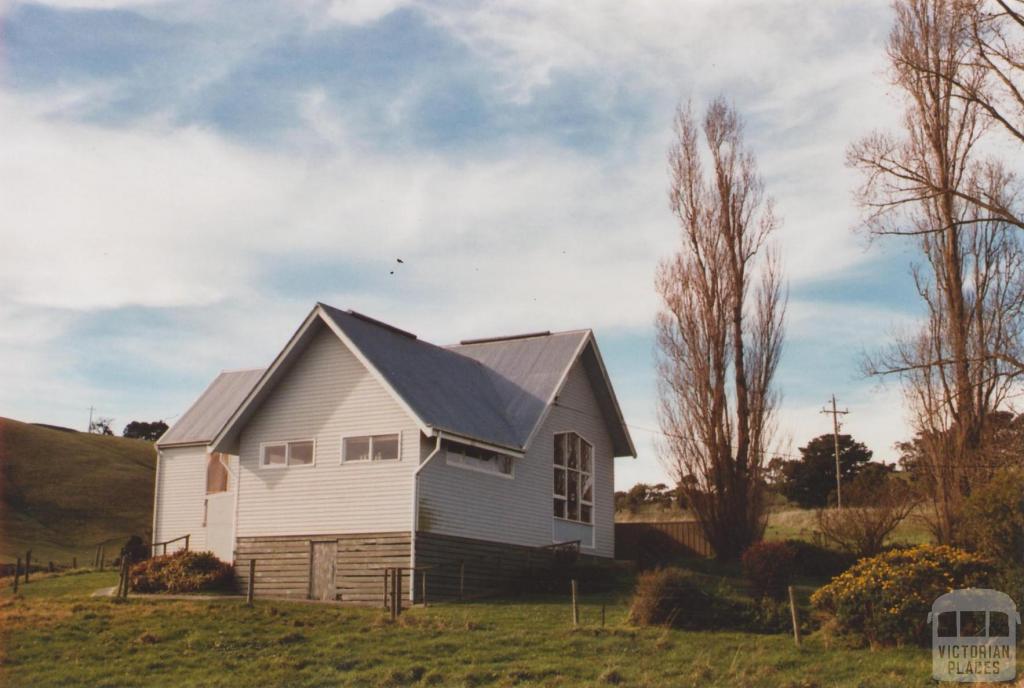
(520, 511)
(180, 497)
(326, 394)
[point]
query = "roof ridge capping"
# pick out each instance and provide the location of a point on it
(505, 338)
(381, 323)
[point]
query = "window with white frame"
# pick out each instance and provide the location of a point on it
(281, 454)
(574, 478)
(477, 459)
(370, 448)
(217, 473)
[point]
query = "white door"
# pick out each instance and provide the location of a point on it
(220, 527)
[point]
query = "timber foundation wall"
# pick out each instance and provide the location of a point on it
(283, 565)
(458, 567)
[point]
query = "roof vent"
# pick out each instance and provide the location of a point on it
(506, 338)
(378, 323)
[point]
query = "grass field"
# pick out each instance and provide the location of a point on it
(55, 634)
(783, 523)
(62, 493)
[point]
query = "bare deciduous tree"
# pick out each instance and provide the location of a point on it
(720, 329)
(871, 513)
(958, 367)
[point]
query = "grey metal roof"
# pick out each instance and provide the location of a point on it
(525, 373)
(207, 416)
(494, 391)
(444, 389)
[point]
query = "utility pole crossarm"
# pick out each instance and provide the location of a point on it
(835, 413)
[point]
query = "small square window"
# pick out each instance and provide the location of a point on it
(275, 455)
(385, 447)
(300, 453)
(587, 488)
(357, 448)
(585, 513)
(560, 450)
(560, 482)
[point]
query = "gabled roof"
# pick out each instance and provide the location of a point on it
(205, 418)
(495, 392)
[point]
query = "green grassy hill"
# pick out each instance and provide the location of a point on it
(62, 492)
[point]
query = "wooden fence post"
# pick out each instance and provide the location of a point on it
(74, 562)
(96, 558)
(50, 567)
(396, 592)
(251, 587)
(462, 578)
(575, 606)
(186, 540)
(28, 564)
(17, 573)
(103, 556)
(423, 587)
(793, 616)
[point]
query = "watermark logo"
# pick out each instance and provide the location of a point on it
(974, 636)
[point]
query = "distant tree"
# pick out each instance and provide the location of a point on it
(142, 430)
(101, 426)
(642, 493)
(811, 480)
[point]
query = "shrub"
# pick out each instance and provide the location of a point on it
(993, 518)
(135, 549)
(885, 599)
(872, 510)
(769, 568)
(817, 561)
(679, 598)
(182, 572)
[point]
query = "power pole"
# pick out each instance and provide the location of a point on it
(835, 436)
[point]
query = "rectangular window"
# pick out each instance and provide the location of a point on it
(573, 491)
(477, 459)
(216, 473)
(275, 455)
(370, 448)
(384, 447)
(281, 454)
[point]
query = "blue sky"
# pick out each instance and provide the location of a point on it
(181, 181)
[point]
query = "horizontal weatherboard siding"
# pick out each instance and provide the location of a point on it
(180, 494)
(325, 395)
(519, 511)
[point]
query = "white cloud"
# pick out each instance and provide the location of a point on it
(527, 236)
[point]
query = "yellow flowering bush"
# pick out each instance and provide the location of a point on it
(885, 599)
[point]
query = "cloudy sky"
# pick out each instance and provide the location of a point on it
(181, 181)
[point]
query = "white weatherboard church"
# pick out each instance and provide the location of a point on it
(362, 447)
